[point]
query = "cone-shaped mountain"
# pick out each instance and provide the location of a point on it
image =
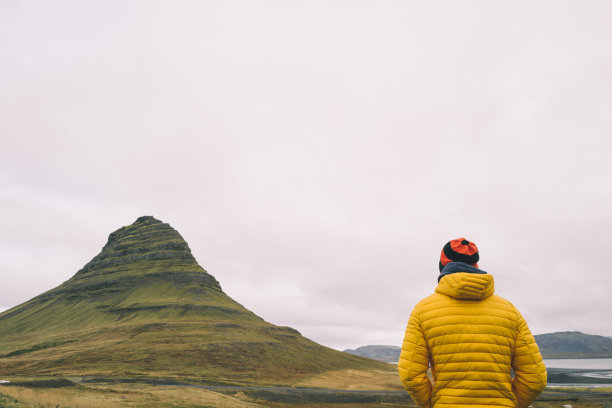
(144, 307)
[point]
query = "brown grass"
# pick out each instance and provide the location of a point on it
(355, 380)
(150, 396)
(123, 395)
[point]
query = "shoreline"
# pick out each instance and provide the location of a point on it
(578, 378)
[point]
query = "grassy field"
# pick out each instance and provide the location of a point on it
(36, 393)
(46, 393)
(383, 380)
(120, 395)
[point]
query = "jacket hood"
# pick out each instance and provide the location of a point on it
(462, 281)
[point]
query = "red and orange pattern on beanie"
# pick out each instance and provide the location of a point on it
(459, 250)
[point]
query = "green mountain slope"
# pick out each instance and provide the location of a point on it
(144, 307)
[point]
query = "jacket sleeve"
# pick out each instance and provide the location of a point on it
(529, 370)
(414, 362)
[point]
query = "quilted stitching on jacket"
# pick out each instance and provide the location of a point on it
(471, 339)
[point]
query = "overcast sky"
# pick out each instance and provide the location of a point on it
(316, 155)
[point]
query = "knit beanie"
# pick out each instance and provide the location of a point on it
(459, 250)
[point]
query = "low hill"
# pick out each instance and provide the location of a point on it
(388, 354)
(552, 345)
(574, 345)
(143, 307)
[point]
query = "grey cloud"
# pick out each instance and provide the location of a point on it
(320, 152)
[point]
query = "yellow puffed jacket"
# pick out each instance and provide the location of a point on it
(471, 339)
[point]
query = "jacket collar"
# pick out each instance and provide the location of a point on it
(462, 281)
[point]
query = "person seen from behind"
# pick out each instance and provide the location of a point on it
(471, 339)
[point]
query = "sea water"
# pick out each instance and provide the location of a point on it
(596, 368)
(579, 363)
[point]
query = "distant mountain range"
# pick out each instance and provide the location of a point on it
(387, 354)
(574, 345)
(552, 345)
